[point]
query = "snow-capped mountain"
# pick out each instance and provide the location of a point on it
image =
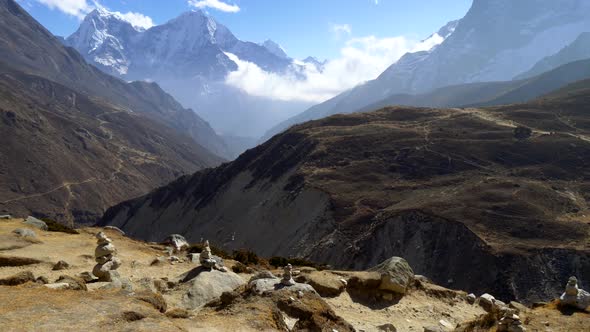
(193, 44)
(188, 57)
(495, 41)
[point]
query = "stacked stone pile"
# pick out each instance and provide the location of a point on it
(107, 263)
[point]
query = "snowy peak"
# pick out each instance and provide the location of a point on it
(275, 49)
(103, 37)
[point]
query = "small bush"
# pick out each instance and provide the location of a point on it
(522, 133)
(178, 313)
(240, 268)
(155, 299)
(54, 226)
(246, 257)
(197, 248)
(278, 261)
(132, 316)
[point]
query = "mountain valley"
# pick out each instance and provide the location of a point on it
(142, 190)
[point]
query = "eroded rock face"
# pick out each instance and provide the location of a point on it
(396, 275)
(574, 296)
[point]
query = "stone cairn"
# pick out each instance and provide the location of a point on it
(574, 296)
(206, 258)
(105, 258)
(510, 321)
(288, 276)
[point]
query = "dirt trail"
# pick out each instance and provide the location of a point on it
(512, 124)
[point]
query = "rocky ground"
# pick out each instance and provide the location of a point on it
(160, 294)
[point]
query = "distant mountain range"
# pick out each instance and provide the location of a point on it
(497, 40)
(76, 140)
(188, 57)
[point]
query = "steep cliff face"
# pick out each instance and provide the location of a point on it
(452, 190)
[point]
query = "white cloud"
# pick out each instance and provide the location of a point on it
(138, 20)
(215, 4)
(80, 8)
(77, 8)
(360, 60)
(340, 29)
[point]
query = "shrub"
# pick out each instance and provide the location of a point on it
(240, 268)
(278, 261)
(246, 257)
(522, 133)
(197, 248)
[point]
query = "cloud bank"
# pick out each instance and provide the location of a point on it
(215, 4)
(360, 60)
(80, 8)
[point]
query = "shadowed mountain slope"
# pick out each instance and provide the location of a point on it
(468, 202)
(27, 46)
(75, 140)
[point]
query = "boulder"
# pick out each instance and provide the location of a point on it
(61, 265)
(261, 286)
(396, 275)
(177, 241)
(325, 283)
(87, 277)
(519, 307)
(262, 275)
(42, 280)
(24, 232)
(5, 216)
(74, 282)
(32, 221)
(471, 298)
(18, 279)
(386, 328)
(487, 302)
(203, 285)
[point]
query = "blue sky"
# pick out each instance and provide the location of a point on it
(305, 27)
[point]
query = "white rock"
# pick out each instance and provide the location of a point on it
(59, 285)
(32, 221)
